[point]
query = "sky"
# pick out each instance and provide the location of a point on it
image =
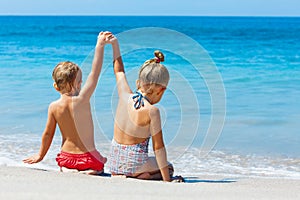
(152, 7)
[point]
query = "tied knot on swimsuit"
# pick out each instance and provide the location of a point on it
(138, 98)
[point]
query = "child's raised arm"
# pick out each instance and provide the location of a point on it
(92, 79)
(119, 71)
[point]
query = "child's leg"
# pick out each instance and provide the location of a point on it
(102, 159)
(88, 171)
(150, 170)
(67, 170)
(91, 172)
(96, 154)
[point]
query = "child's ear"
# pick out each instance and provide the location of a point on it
(55, 86)
(162, 90)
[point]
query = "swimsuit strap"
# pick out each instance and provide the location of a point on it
(138, 98)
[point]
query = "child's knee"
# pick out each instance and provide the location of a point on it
(171, 169)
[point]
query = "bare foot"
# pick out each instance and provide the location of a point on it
(177, 179)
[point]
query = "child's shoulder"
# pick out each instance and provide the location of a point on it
(55, 104)
(153, 110)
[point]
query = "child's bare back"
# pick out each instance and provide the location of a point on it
(75, 124)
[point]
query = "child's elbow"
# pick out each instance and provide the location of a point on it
(158, 148)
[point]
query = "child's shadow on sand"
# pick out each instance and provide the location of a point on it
(105, 174)
(197, 180)
(191, 179)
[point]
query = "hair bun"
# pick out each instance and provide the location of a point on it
(159, 56)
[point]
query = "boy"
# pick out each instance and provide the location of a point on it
(72, 113)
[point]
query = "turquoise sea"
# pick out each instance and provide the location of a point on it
(257, 60)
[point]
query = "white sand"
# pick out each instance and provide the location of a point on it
(24, 183)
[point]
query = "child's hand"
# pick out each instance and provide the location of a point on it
(104, 38)
(33, 159)
(112, 39)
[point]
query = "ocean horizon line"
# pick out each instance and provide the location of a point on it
(108, 15)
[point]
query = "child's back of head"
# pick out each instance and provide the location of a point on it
(153, 72)
(64, 75)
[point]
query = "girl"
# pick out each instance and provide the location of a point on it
(137, 119)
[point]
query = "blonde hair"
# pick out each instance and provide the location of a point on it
(64, 75)
(152, 71)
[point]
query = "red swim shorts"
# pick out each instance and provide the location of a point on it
(90, 160)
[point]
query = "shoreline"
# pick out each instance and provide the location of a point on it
(33, 183)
